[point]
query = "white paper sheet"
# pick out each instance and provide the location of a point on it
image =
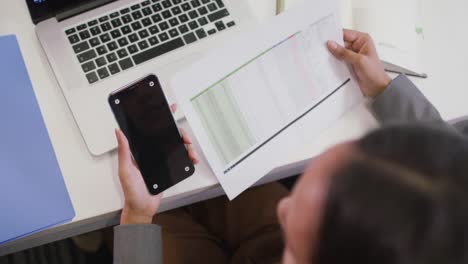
(261, 95)
(395, 26)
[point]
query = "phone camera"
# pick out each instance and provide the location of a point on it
(187, 169)
(155, 186)
(117, 101)
(151, 84)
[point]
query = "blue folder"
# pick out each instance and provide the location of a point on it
(33, 195)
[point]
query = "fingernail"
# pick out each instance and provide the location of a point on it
(332, 44)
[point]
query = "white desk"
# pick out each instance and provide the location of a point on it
(93, 182)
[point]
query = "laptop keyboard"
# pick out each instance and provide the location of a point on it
(122, 39)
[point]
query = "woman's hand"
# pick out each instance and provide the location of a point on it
(360, 52)
(140, 206)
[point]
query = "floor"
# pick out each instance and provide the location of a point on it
(60, 252)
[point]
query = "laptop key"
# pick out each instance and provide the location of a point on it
(211, 31)
(143, 33)
(126, 63)
(81, 27)
(106, 26)
(124, 11)
(143, 44)
(81, 47)
(163, 26)
(186, 7)
(189, 38)
(156, 7)
(202, 21)
(116, 33)
(176, 10)
(112, 46)
(201, 33)
(114, 15)
(116, 22)
(105, 37)
(166, 4)
(146, 11)
(193, 14)
(176, 2)
(126, 30)
(195, 3)
(218, 15)
(146, 22)
(133, 37)
(127, 19)
(202, 10)
(153, 30)
(87, 55)
(193, 24)
(114, 68)
(111, 57)
(92, 23)
(158, 50)
(122, 53)
(173, 22)
(205, 1)
(145, 3)
(173, 33)
(135, 7)
(220, 25)
(122, 42)
(101, 50)
(88, 66)
(92, 77)
(84, 34)
(183, 29)
(183, 18)
(95, 31)
(103, 73)
(132, 49)
(212, 7)
(136, 25)
(103, 19)
(101, 61)
(230, 24)
(70, 31)
(137, 15)
(163, 36)
(94, 42)
(220, 3)
(156, 18)
(166, 14)
(153, 41)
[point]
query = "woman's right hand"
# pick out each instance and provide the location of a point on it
(360, 52)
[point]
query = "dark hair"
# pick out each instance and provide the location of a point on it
(402, 198)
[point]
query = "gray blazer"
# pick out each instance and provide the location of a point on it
(401, 102)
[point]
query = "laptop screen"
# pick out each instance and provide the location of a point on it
(43, 9)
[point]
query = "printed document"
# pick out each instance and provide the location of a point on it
(260, 96)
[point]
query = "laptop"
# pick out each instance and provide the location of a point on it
(97, 46)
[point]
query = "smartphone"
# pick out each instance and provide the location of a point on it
(145, 117)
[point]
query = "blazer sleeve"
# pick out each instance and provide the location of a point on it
(402, 102)
(137, 243)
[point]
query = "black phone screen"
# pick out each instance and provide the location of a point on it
(145, 118)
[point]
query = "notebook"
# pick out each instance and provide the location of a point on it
(33, 194)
